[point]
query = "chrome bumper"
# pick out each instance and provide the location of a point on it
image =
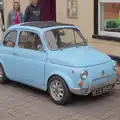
(92, 86)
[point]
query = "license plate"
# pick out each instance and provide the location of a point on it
(101, 90)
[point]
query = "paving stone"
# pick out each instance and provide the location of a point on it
(79, 116)
(18, 102)
(113, 118)
(33, 117)
(5, 115)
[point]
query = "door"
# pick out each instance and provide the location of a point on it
(48, 10)
(31, 60)
(7, 56)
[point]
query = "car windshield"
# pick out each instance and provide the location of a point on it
(64, 38)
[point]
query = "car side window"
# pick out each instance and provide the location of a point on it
(29, 40)
(10, 39)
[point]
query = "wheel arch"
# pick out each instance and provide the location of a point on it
(2, 63)
(61, 75)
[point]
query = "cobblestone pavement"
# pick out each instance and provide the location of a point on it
(18, 102)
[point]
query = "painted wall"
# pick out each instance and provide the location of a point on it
(85, 21)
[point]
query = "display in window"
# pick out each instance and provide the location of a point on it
(72, 8)
(110, 17)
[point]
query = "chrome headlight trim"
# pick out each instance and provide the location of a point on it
(115, 67)
(84, 75)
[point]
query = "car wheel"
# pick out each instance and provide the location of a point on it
(59, 91)
(3, 77)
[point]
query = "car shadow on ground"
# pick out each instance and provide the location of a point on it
(76, 99)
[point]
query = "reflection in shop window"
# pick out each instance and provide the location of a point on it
(109, 17)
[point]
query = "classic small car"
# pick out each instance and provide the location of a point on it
(56, 58)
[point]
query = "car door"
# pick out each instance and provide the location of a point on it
(8, 49)
(31, 60)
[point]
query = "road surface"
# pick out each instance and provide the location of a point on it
(19, 102)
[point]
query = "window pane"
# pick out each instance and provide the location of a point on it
(110, 17)
(10, 39)
(29, 40)
(64, 38)
(11, 36)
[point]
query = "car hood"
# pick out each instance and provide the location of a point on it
(84, 56)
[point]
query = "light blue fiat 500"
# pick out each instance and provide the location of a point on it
(55, 57)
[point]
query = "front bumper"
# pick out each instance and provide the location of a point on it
(94, 84)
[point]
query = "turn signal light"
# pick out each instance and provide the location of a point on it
(80, 83)
(118, 72)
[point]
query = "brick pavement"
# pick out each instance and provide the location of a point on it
(18, 102)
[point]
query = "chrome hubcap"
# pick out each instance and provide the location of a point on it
(1, 73)
(56, 90)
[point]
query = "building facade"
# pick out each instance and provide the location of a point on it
(99, 20)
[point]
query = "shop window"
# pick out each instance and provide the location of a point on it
(107, 18)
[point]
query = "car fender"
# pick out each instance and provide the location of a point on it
(60, 74)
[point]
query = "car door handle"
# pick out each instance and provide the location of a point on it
(14, 53)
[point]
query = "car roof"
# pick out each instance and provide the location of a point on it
(42, 24)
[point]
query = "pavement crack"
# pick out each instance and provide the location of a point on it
(78, 113)
(68, 116)
(22, 104)
(114, 108)
(91, 115)
(12, 115)
(108, 117)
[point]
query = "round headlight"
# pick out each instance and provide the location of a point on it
(84, 75)
(115, 67)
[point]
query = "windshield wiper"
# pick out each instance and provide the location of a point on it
(67, 45)
(81, 43)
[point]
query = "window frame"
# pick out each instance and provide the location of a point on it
(7, 35)
(29, 32)
(104, 35)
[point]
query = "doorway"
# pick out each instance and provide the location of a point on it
(48, 8)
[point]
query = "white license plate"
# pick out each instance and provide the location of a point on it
(101, 90)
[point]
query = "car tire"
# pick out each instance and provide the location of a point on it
(59, 91)
(3, 77)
